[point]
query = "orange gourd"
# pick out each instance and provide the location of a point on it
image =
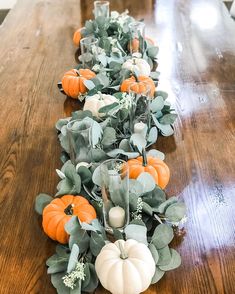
(59, 212)
(73, 81)
(77, 37)
(140, 84)
(135, 44)
(154, 166)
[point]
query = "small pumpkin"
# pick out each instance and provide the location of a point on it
(60, 210)
(152, 165)
(77, 37)
(138, 65)
(134, 44)
(125, 267)
(97, 101)
(73, 81)
(140, 84)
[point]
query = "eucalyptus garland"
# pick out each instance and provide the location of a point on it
(153, 216)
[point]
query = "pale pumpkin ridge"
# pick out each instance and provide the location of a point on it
(111, 275)
(137, 275)
(140, 267)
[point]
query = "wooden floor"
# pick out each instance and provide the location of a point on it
(197, 62)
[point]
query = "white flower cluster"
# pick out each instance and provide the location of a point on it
(119, 18)
(77, 274)
(137, 215)
(96, 68)
(126, 101)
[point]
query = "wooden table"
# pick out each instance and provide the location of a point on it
(197, 62)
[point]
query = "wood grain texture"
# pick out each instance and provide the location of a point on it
(197, 64)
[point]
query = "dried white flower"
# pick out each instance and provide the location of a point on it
(96, 68)
(77, 274)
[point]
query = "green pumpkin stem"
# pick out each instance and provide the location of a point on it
(69, 209)
(123, 253)
(145, 160)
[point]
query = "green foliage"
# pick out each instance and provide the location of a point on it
(42, 200)
(111, 137)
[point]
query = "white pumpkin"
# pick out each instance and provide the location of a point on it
(97, 101)
(125, 267)
(137, 65)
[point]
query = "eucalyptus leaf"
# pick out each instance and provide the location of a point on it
(42, 200)
(136, 232)
(56, 258)
(96, 133)
(157, 104)
(63, 250)
(156, 153)
(107, 108)
(163, 94)
(164, 256)
(96, 177)
(65, 187)
(175, 212)
(117, 152)
(136, 187)
(73, 259)
(125, 145)
(98, 155)
(57, 282)
(73, 225)
(96, 243)
(81, 238)
(139, 141)
(84, 174)
(162, 236)
(155, 75)
(174, 262)
(62, 122)
(147, 181)
(152, 51)
(58, 267)
(147, 209)
(93, 282)
(157, 275)
(162, 208)
(152, 136)
(109, 136)
(168, 119)
(154, 252)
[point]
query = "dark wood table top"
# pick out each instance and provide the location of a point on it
(197, 64)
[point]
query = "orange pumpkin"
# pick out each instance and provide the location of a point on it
(59, 212)
(77, 37)
(73, 81)
(140, 84)
(154, 166)
(135, 44)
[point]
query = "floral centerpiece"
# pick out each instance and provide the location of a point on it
(123, 114)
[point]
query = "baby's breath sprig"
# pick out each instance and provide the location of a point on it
(137, 215)
(71, 278)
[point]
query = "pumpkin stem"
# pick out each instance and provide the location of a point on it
(69, 209)
(77, 72)
(123, 252)
(145, 160)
